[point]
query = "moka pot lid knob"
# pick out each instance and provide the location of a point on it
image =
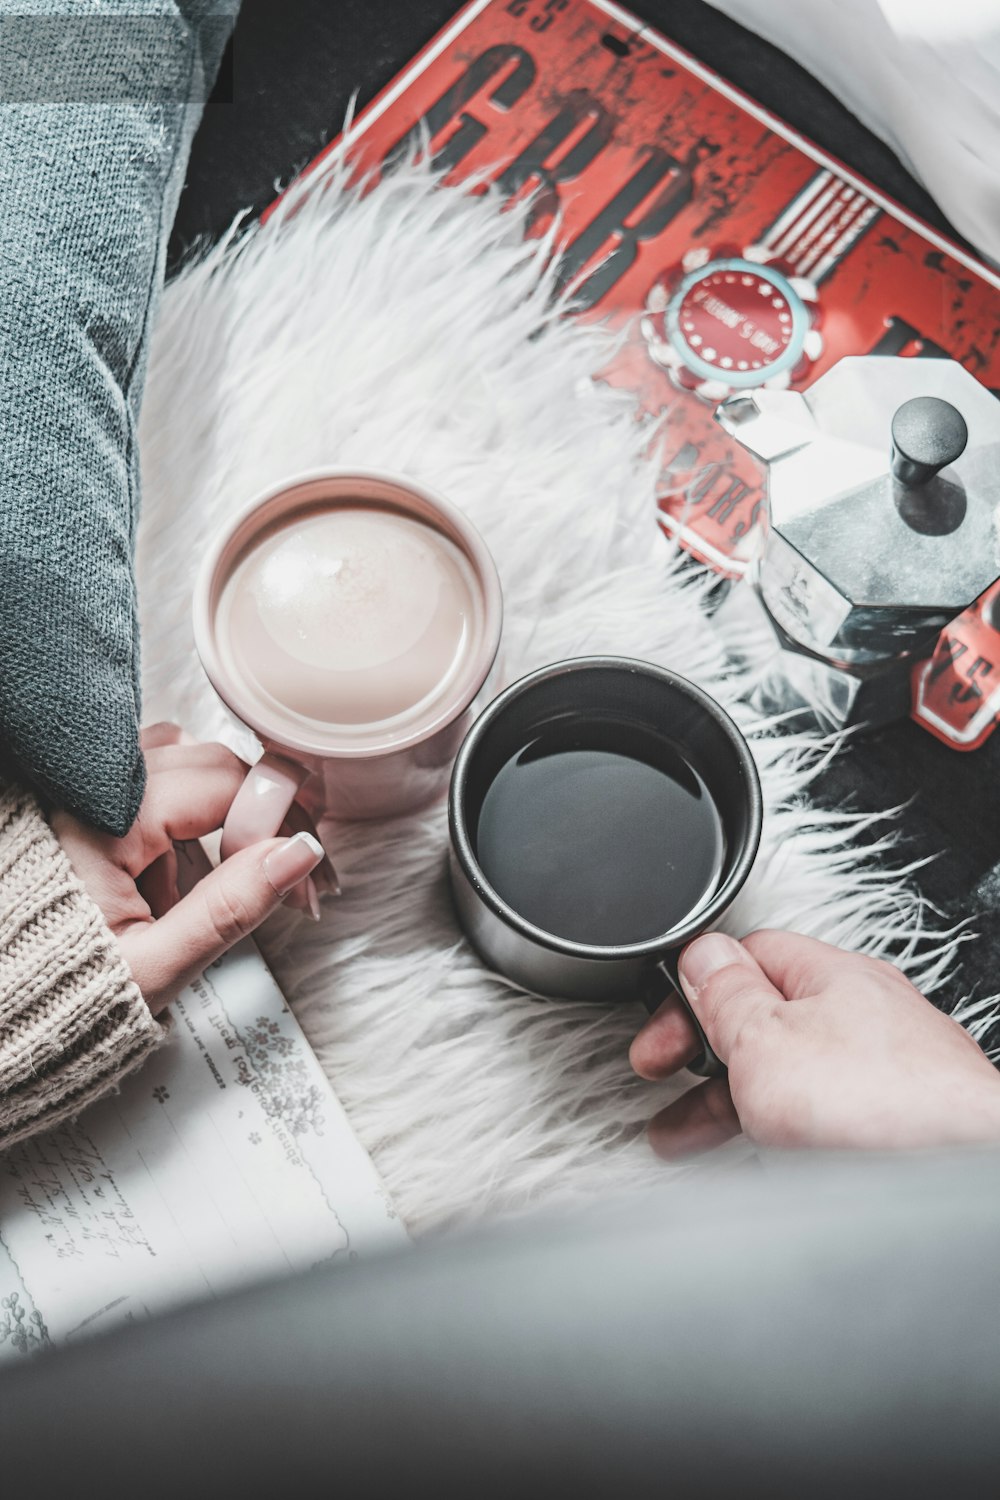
(928, 434)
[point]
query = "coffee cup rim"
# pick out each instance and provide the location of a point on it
(457, 527)
(697, 921)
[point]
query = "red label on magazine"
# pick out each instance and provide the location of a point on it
(734, 252)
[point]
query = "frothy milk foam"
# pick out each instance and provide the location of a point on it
(348, 619)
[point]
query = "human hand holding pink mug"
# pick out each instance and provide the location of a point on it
(351, 619)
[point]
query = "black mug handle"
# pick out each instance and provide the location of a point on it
(706, 1064)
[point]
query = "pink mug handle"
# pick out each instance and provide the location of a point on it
(261, 803)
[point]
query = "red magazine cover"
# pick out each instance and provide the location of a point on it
(735, 252)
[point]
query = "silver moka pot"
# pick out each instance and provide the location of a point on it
(883, 524)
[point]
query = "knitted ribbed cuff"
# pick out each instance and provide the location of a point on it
(72, 1019)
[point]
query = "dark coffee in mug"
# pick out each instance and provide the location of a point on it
(601, 831)
(603, 812)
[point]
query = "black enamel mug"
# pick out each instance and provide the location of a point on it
(624, 697)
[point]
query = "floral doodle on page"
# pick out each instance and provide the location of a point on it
(287, 1090)
(26, 1332)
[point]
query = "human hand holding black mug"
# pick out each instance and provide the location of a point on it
(603, 812)
(826, 1049)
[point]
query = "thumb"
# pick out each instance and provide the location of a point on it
(222, 908)
(726, 988)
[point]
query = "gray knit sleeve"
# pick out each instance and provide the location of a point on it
(72, 1019)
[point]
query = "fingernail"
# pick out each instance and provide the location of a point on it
(292, 862)
(312, 897)
(702, 958)
(297, 899)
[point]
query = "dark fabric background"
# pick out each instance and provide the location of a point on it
(294, 70)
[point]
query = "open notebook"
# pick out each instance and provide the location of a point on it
(226, 1158)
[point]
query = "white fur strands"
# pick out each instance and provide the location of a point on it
(413, 329)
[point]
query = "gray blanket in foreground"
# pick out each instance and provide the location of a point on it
(98, 105)
(820, 1330)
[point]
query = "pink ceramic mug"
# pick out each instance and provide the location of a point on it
(352, 620)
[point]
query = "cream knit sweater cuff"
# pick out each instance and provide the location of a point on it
(72, 1019)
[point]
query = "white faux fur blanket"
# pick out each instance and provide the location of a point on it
(413, 329)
